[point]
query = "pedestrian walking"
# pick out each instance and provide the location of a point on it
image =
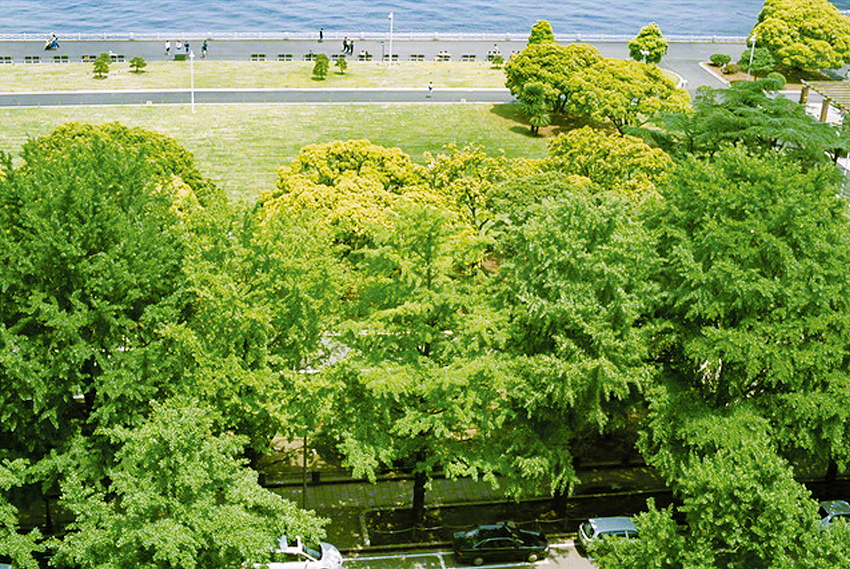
(345, 45)
(430, 88)
(204, 47)
(321, 35)
(186, 47)
(350, 47)
(167, 48)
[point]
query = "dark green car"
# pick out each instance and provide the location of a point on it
(503, 542)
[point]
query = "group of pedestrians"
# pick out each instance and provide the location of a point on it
(348, 46)
(185, 47)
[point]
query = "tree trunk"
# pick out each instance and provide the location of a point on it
(831, 471)
(419, 481)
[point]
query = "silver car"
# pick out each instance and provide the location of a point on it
(595, 529)
(832, 511)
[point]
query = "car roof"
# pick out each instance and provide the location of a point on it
(836, 507)
(615, 523)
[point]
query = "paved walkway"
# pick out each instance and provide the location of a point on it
(682, 58)
(345, 502)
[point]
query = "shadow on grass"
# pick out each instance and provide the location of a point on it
(560, 123)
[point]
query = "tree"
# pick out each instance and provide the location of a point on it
(625, 93)
(178, 498)
(550, 65)
(741, 318)
(137, 64)
(747, 114)
(101, 66)
(611, 161)
(534, 105)
(573, 273)
(349, 184)
(320, 69)
(541, 32)
(417, 389)
(649, 45)
(466, 177)
(89, 284)
(342, 64)
(17, 546)
(762, 61)
(804, 34)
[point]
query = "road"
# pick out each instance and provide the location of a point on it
(563, 556)
(233, 96)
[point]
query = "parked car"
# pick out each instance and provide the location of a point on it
(301, 555)
(595, 529)
(502, 542)
(833, 510)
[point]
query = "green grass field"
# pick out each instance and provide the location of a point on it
(242, 146)
(246, 75)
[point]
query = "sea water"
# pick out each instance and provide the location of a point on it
(592, 17)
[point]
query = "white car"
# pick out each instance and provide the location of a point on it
(300, 555)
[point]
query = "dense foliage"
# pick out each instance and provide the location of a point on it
(687, 284)
(804, 34)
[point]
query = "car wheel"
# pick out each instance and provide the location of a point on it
(532, 557)
(478, 561)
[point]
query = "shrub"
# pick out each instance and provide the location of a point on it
(137, 64)
(720, 59)
(320, 69)
(731, 69)
(101, 65)
(778, 80)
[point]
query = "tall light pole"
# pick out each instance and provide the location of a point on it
(752, 51)
(390, 60)
(192, 79)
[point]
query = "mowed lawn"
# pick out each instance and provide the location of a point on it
(248, 75)
(241, 146)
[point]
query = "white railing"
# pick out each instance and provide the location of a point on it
(377, 36)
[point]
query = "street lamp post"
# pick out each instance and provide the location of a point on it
(390, 60)
(752, 51)
(192, 79)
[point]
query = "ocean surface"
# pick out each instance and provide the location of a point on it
(592, 17)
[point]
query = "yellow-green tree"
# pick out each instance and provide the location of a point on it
(611, 161)
(804, 34)
(649, 45)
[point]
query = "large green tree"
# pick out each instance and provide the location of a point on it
(417, 388)
(92, 256)
(624, 93)
(611, 161)
(753, 298)
(550, 65)
(750, 115)
(804, 34)
(178, 498)
(574, 273)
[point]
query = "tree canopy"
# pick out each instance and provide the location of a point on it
(804, 34)
(649, 45)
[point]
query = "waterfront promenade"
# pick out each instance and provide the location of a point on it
(683, 57)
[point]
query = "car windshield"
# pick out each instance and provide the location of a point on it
(314, 550)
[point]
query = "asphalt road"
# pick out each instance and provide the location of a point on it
(562, 556)
(255, 96)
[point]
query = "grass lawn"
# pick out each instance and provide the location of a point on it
(247, 75)
(241, 146)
